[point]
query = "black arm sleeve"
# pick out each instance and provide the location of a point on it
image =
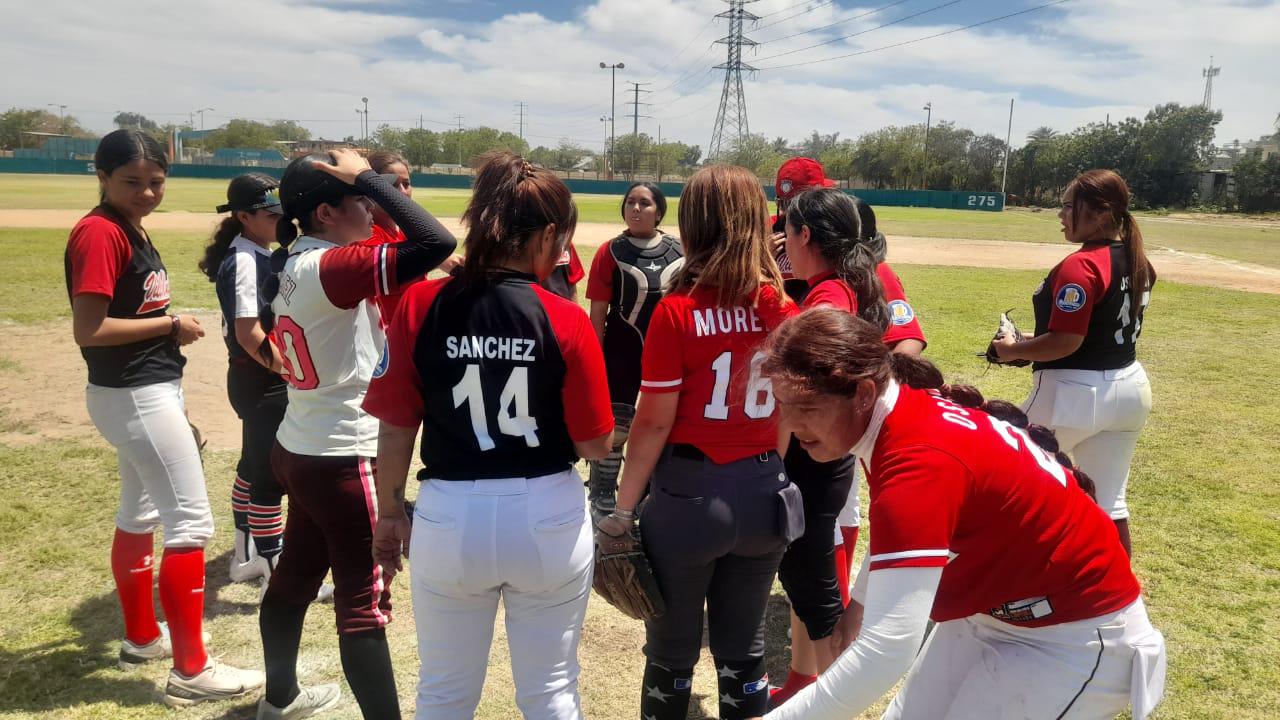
(427, 243)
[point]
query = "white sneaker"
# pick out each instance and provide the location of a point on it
(246, 563)
(310, 701)
(215, 682)
(131, 655)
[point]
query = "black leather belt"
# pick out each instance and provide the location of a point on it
(691, 452)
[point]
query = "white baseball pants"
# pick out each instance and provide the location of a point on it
(979, 668)
(526, 541)
(161, 478)
(1097, 415)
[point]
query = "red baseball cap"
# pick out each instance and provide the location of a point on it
(800, 173)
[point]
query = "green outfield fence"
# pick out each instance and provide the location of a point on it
(947, 199)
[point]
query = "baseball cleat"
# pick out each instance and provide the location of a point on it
(310, 701)
(131, 655)
(215, 682)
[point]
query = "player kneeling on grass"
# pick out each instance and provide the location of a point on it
(119, 290)
(976, 526)
(327, 328)
(508, 382)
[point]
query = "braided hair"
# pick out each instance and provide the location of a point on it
(829, 351)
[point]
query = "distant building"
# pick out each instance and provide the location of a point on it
(307, 147)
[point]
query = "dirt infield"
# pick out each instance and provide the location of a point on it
(46, 399)
(1172, 265)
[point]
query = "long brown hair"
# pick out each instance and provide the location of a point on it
(828, 351)
(510, 200)
(382, 160)
(724, 225)
(1105, 191)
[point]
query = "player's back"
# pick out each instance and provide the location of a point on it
(710, 354)
(329, 353)
(494, 359)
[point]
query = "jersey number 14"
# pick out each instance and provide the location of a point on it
(513, 407)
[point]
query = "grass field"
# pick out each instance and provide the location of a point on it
(1205, 495)
(1223, 238)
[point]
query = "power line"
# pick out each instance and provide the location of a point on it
(838, 22)
(919, 39)
(789, 8)
(861, 32)
(697, 35)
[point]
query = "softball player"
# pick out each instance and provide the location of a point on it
(824, 242)
(627, 279)
(329, 336)
(1038, 613)
(508, 382)
(1089, 386)
(119, 293)
(386, 231)
(237, 261)
(720, 510)
(568, 272)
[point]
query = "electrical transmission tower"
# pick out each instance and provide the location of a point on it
(1209, 74)
(731, 120)
(636, 89)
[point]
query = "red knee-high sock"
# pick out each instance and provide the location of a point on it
(131, 566)
(182, 596)
(842, 572)
(850, 536)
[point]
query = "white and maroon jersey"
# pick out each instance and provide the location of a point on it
(504, 377)
(1016, 537)
(327, 329)
(711, 356)
(107, 256)
(1088, 294)
(387, 304)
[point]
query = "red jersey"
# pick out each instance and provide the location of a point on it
(710, 356)
(1016, 537)
(903, 324)
(388, 303)
(830, 290)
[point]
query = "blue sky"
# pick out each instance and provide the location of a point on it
(1070, 64)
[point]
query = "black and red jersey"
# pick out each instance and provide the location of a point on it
(630, 278)
(107, 256)
(504, 376)
(568, 272)
(1088, 294)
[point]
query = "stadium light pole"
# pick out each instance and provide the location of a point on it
(202, 111)
(365, 100)
(924, 166)
(1008, 136)
(613, 106)
(604, 122)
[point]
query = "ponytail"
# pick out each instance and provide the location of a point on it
(914, 371)
(1141, 273)
(216, 250)
(1105, 191)
(835, 229)
(286, 234)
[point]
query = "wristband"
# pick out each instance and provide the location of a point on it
(624, 514)
(173, 329)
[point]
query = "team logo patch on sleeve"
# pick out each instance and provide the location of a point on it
(754, 687)
(381, 368)
(901, 313)
(1071, 297)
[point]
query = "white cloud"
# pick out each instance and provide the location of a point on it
(292, 59)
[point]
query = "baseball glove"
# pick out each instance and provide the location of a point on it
(1006, 327)
(623, 576)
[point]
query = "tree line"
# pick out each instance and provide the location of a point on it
(1161, 155)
